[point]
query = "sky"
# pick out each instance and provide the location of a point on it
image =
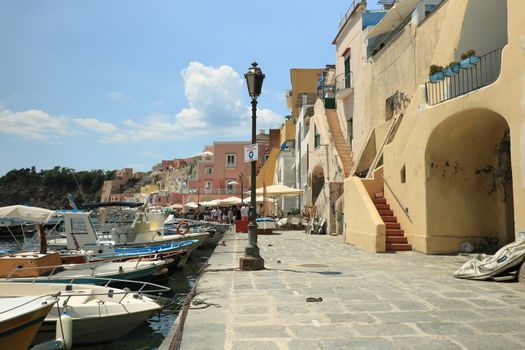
(111, 84)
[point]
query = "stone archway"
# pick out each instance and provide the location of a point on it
(317, 182)
(469, 183)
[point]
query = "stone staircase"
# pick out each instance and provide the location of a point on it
(395, 236)
(341, 145)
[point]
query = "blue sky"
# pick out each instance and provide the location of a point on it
(112, 84)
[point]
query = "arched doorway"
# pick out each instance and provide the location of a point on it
(469, 182)
(317, 182)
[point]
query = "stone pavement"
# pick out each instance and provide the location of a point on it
(369, 301)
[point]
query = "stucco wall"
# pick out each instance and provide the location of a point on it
(433, 224)
(363, 225)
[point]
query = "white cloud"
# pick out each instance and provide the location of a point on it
(96, 125)
(157, 103)
(34, 124)
(215, 107)
(117, 96)
(266, 118)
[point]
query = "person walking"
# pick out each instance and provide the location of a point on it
(244, 212)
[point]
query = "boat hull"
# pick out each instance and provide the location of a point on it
(18, 332)
(96, 329)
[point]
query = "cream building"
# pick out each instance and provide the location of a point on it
(449, 157)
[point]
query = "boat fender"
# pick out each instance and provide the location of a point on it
(186, 227)
(64, 330)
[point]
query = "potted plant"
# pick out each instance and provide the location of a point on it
(451, 69)
(436, 73)
(468, 59)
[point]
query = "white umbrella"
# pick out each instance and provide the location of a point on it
(212, 203)
(230, 201)
(191, 205)
(279, 190)
(23, 212)
(176, 206)
(258, 199)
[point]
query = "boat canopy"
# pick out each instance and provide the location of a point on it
(24, 212)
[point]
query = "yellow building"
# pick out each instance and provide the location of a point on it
(448, 155)
(151, 188)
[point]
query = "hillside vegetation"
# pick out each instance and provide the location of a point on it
(49, 188)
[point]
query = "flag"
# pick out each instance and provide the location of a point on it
(71, 201)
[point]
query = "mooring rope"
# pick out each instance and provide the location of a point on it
(176, 341)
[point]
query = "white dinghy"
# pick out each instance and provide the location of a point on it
(506, 260)
(98, 313)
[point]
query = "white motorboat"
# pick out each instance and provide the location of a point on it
(98, 313)
(79, 231)
(266, 225)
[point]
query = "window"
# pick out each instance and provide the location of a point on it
(317, 138)
(78, 226)
(403, 174)
(266, 156)
(208, 170)
(230, 161)
(350, 130)
(208, 185)
(348, 80)
(230, 185)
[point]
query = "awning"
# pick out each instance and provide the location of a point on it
(394, 17)
(279, 190)
(23, 212)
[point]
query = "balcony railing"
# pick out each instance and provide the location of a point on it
(351, 9)
(343, 81)
(485, 72)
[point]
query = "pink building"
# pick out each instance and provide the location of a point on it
(221, 169)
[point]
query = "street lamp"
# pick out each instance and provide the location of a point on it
(241, 179)
(251, 259)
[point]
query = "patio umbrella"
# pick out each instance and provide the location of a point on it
(230, 201)
(212, 203)
(176, 206)
(279, 190)
(191, 205)
(258, 199)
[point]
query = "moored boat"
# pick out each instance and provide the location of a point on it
(122, 310)
(20, 319)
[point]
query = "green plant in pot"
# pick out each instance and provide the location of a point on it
(436, 73)
(468, 59)
(451, 69)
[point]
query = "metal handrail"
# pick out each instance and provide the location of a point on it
(348, 12)
(397, 199)
(343, 81)
(483, 73)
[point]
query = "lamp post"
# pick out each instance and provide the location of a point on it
(241, 179)
(251, 259)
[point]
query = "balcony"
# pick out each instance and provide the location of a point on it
(484, 73)
(343, 85)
